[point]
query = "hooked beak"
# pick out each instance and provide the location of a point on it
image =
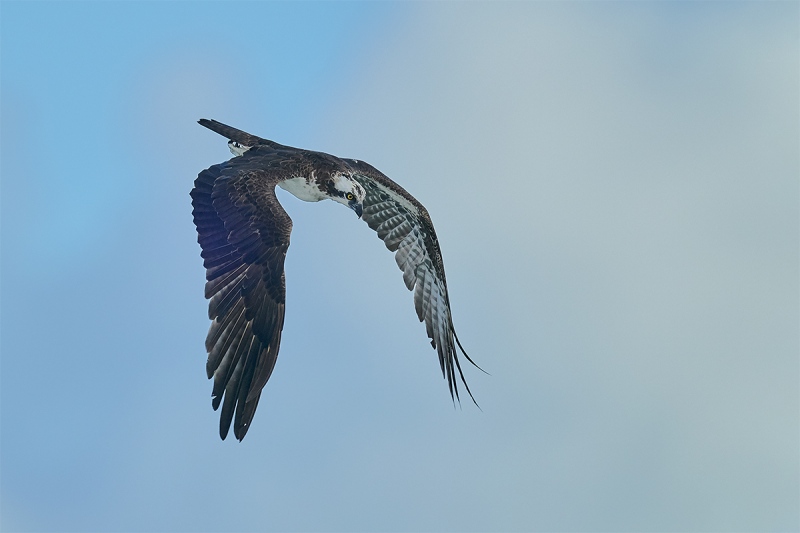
(355, 206)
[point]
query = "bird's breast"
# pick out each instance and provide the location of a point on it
(303, 189)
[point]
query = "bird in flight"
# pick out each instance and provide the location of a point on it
(244, 235)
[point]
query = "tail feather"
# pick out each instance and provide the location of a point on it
(241, 137)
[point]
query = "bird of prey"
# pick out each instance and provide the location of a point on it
(244, 235)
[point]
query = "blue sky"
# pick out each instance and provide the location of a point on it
(615, 188)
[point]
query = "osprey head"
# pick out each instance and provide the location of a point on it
(346, 190)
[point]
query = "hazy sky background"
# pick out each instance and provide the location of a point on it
(615, 188)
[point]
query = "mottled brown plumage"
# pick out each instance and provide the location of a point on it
(244, 234)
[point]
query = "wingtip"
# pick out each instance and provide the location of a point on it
(461, 374)
(467, 355)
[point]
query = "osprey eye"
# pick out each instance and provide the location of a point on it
(349, 196)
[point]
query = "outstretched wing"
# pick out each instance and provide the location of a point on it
(404, 225)
(244, 234)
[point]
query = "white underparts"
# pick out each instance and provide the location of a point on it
(302, 189)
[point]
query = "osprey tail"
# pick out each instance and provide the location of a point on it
(238, 136)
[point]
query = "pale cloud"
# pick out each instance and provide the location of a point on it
(634, 170)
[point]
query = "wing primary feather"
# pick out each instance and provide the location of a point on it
(240, 423)
(229, 401)
(217, 284)
(465, 353)
(464, 381)
(418, 300)
(266, 365)
(218, 351)
(221, 303)
(221, 327)
(441, 349)
(227, 368)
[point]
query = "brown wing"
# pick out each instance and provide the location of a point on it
(405, 227)
(244, 234)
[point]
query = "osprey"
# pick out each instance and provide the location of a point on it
(244, 234)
